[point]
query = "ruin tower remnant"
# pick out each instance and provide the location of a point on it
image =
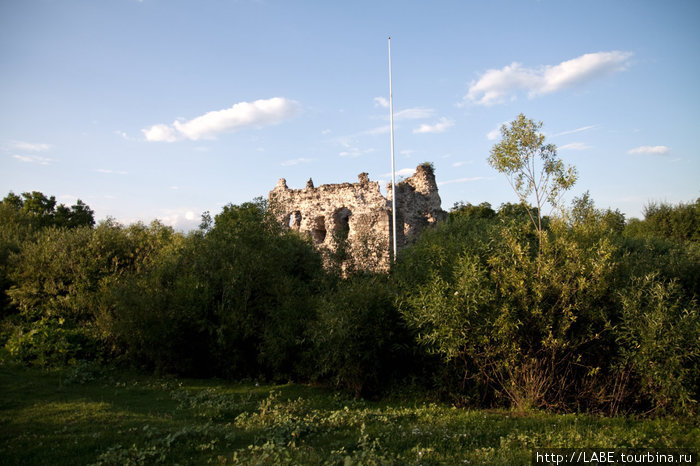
(351, 222)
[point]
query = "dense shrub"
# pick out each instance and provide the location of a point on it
(22, 218)
(679, 222)
(59, 281)
(233, 300)
(588, 313)
(360, 342)
(562, 321)
(658, 337)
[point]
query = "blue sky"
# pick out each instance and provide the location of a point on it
(169, 108)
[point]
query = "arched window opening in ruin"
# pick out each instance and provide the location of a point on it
(318, 233)
(341, 220)
(294, 220)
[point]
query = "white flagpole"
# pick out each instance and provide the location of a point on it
(393, 170)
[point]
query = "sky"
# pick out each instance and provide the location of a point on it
(165, 109)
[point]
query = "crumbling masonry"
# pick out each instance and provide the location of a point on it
(351, 222)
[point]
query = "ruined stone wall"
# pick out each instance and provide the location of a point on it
(418, 204)
(351, 222)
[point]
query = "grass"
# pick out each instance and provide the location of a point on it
(89, 415)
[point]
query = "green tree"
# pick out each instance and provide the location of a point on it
(59, 281)
(534, 171)
(232, 299)
(22, 218)
(679, 222)
(40, 211)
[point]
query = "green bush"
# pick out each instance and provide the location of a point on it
(659, 341)
(232, 300)
(564, 321)
(359, 341)
(60, 280)
(51, 343)
(679, 222)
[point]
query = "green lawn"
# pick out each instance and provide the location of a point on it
(96, 416)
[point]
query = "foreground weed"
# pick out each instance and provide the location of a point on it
(127, 419)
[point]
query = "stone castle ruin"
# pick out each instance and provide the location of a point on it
(352, 222)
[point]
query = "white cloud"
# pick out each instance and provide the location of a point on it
(439, 127)
(378, 130)
(108, 171)
(458, 164)
(355, 152)
(401, 172)
(381, 102)
(289, 163)
(181, 219)
(255, 114)
(462, 180)
(124, 135)
(654, 150)
(494, 133)
(160, 133)
(498, 86)
(574, 146)
(577, 130)
(28, 146)
(416, 113)
(33, 159)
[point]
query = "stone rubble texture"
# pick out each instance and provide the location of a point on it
(351, 222)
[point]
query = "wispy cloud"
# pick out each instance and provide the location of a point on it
(381, 102)
(33, 159)
(355, 152)
(494, 133)
(463, 180)
(28, 146)
(113, 172)
(401, 172)
(574, 131)
(378, 130)
(439, 127)
(180, 219)
(497, 86)
(300, 160)
(653, 150)
(574, 146)
(124, 135)
(257, 114)
(416, 113)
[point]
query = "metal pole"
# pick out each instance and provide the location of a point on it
(393, 169)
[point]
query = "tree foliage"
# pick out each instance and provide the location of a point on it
(675, 222)
(580, 311)
(579, 319)
(359, 340)
(535, 172)
(231, 300)
(40, 211)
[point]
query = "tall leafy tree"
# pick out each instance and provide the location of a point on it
(535, 172)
